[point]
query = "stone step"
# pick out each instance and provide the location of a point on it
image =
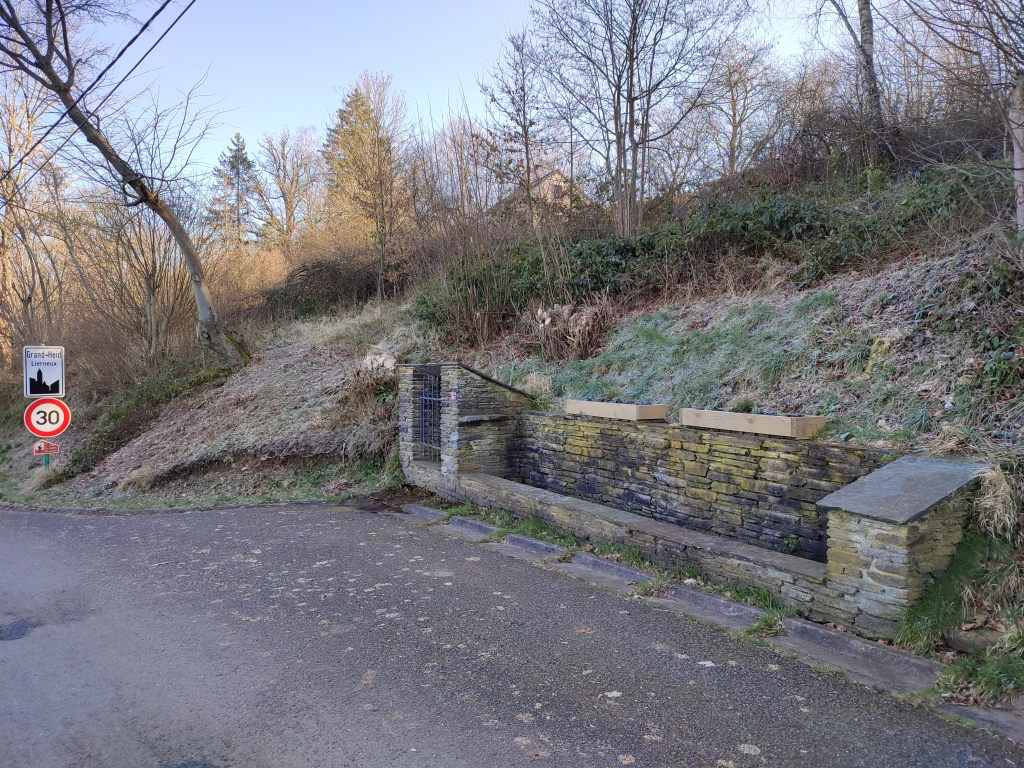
(427, 513)
(538, 547)
(611, 568)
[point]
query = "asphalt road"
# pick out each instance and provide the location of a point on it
(326, 637)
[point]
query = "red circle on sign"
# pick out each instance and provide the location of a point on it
(47, 417)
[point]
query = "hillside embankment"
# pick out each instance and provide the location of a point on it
(921, 355)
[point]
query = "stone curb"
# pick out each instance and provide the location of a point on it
(1007, 722)
(879, 666)
(609, 568)
(420, 511)
(536, 546)
(846, 642)
(718, 610)
(473, 527)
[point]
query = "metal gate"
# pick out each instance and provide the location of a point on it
(430, 412)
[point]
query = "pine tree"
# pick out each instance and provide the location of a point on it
(236, 182)
(365, 159)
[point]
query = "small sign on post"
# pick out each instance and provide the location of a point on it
(45, 448)
(44, 371)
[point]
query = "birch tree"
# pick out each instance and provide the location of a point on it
(862, 35)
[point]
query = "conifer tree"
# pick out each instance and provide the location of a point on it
(236, 182)
(365, 159)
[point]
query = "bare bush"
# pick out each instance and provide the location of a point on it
(572, 332)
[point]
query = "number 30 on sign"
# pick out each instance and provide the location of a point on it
(47, 417)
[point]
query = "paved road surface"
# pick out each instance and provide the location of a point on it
(270, 638)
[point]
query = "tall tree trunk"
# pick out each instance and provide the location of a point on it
(1017, 135)
(878, 142)
(223, 341)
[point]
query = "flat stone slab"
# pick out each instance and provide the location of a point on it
(536, 546)
(1008, 722)
(525, 548)
(903, 491)
(726, 613)
(875, 664)
(611, 568)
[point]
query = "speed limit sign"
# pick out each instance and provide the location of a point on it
(47, 417)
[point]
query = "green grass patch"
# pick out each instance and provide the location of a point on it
(534, 527)
(770, 624)
(828, 669)
(986, 679)
(940, 609)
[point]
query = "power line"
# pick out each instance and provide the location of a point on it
(84, 93)
(111, 91)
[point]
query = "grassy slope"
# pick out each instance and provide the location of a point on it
(876, 354)
(290, 426)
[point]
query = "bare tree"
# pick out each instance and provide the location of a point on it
(45, 40)
(863, 38)
(746, 113)
(288, 196)
(991, 32)
(623, 62)
(31, 278)
(514, 91)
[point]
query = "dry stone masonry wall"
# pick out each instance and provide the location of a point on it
(762, 490)
(870, 528)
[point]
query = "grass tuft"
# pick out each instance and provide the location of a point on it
(984, 679)
(940, 609)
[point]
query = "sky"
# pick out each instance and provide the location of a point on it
(270, 64)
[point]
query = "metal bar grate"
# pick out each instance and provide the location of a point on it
(430, 417)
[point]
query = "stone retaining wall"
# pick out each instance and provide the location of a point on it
(762, 490)
(871, 532)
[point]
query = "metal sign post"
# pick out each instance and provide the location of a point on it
(46, 416)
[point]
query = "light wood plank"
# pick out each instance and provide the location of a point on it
(799, 427)
(621, 411)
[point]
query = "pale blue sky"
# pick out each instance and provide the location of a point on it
(272, 64)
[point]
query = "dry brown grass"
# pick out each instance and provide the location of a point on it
(997, 505)
(368, 411)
